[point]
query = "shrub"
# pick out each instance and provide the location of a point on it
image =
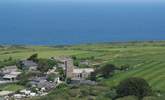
(124, 67)
(61, 86)
(51, 77)
(107, 70)
(84, 92)
(68, 80)
(93, 76)
(128, 98)
(134, 86)
(111, 94)
(33, 57)
(45, 64)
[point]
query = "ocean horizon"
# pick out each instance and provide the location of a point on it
(61, 23)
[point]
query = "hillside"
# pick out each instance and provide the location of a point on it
(146, 60)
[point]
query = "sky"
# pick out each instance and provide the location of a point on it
(132, 1)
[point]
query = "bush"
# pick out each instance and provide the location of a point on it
(93, 76)
(84, 92)
(134, 86)
(61, 73)
(61, 86)
(51, 77)
(128, 98)
(68, 80)
(25, 76)
(111, 94)
(107, 70)
(150, 98)
(124, 67)
(45, 64)
(33, 57)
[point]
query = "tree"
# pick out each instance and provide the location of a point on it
(33, 57)
(10, 58)
(19, 65)
(51, 77)
(68, 80)
(45, 64)
(93, 76)
(76, 63)
(107, 70)
(74, 57)
(61, 73)
(124, 67)
(25, 76)
(134, 86)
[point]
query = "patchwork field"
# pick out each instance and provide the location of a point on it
(146, 59)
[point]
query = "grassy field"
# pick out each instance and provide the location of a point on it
(11, 87)
(146, 59)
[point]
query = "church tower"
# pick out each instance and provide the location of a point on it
(69, 68)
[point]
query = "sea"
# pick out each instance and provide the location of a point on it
(61, 23)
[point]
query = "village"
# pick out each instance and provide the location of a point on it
(40, 80)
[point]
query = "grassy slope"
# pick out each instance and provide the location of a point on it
(44, 52)
(146, 58)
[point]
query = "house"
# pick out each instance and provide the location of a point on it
(25, 92)
(10, 73)
(29, 65)
(19, 96)
(9, 69)
(41, 82)
(9, 77)
(45, 84)
(12, 76)
(5, 93)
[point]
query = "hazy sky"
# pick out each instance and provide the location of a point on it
(132, 1)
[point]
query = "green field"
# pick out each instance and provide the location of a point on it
(11, 87)
(146, 59)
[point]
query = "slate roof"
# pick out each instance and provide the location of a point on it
(29, 63)
(41, 82)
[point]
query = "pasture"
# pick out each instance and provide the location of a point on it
(146, 59)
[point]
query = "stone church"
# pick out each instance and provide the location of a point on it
(72, 71)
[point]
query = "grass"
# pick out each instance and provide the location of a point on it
(82, 92)
(43, 53)
(11, 87)
(146, 59)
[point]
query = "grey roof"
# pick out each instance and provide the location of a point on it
(29, 63)
(87, 82)
(46, 84)
(42, 83)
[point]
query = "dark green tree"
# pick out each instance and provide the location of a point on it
(51, 77)
(93, 76)
(33, 57)
(61, 73)
(68, 80)
(134, 86)
(45, 64)
(107, 70)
